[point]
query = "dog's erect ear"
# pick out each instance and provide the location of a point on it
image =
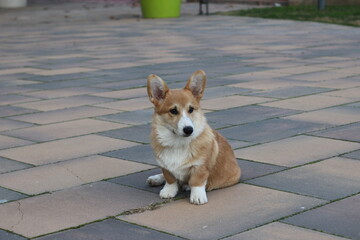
(157, 89)
(196, 84)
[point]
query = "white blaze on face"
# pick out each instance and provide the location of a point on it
(184, 121)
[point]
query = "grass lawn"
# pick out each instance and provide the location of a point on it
(345, 15)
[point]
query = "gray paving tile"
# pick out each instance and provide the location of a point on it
(247, 114)
(10, 236)
(10, 165)
(139, 133)
(134, 117)
(8, 195)
(354, 155)
(270, 130)
(138, 180)
(341, 218)
(251, 170)
(141, 153)
(288, 92)
(7, 111)
(329, 179)
(349, 132)
(110, 229)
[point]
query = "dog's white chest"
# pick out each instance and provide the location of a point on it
(176, 161)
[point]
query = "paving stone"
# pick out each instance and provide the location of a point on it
(9, 142)
(12, 99)
(247, 114)
(354, 155)
(7, 165)
(50, 152)
(353, 93)
(348, 132)
(291, 91)
(317, 180)
(336, 116)
(10, 236)
(64, 130)
(254, 206)
(296, 151)
(110, 229)
(231, 102)
(308, 103)
(64, 92)
(49, 213)
(7, 195)
(341, 218)
(64, 115)
(124, 94)
(7, 124)
(223, 91)
(7, 111)
(76, 172)
(270, 130)
(128, 105)
(133, 117)
(251, 170)
(61, 103)
(140, 153)
(139, 133)
(281, 231)
(138, 180)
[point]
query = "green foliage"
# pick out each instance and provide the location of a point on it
(345, 15)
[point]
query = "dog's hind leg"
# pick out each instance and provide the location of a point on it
(156, 180)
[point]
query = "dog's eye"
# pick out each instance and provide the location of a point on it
(174, 111)
(191, 109)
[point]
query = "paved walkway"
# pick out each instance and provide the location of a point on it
(74, 127)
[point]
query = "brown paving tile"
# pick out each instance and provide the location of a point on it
(123, 94)
(59, 150)
(336, 116)
(64, 92)
(67, 174)
(7, 124)
(353, 93)
(281, 231)
(296, 150)
(61, 103)
(9, 142)
(128, 105)
(309, 103)
(229, 211)
(231, 101)
(49, 213)
(62, 71)
(64, 130)
(64, 115)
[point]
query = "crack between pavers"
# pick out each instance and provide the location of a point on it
(21, 216)
(149, 207)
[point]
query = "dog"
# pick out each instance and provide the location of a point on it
(189, 152)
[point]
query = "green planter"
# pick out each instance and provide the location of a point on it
(160, 8)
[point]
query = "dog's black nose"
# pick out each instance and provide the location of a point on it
(188, 130)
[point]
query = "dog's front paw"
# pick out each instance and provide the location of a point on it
(169, 190)
(198, 195)
(156, 180)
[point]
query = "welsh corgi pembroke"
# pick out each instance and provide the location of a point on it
(188, 151)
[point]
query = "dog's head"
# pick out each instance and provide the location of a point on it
(179, 110)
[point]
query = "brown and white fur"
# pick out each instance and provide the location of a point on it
(186, 148)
